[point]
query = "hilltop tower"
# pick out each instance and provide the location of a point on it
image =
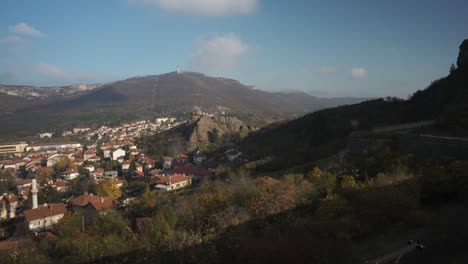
(178, 69)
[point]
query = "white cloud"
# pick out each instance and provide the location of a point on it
(218, 53)
(327, 69)
(50, 70)
(25, 29)
(204, 7)
(11, 40)
(359, 73)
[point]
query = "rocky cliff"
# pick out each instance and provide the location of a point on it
(204, 129)
(462, 61)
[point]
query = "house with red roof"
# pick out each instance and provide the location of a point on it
(126, 165)
(70, 174)
(170, 183)
(167, 162)
(44, 216)
(90, 202)
(8, 205)
(61, 186)
(194, 172)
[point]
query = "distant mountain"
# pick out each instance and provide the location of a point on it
(325, 132)
(146, 97)
(39, 95)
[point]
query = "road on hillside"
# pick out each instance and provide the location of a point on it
(394, 255)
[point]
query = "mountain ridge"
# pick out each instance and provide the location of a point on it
(154, 95)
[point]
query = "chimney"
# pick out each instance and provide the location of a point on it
(34, 194)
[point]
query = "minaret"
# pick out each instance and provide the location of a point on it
(34, 194)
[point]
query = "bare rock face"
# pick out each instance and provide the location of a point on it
(462, 61)
(205, 127)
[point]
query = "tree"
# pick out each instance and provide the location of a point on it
(348, 183)
(162, 228)
(325, 182)
(44, 174)
(272, 197)
(7, 180)
(452, 68)
(109, 188)
(63, 164)
(112, 165)
(132, 167)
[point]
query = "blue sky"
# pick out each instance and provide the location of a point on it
(325, 47)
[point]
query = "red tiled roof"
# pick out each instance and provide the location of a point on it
(172, 179)
(60, 183)
(84, 199)
(24, 182)
(44, 211)
(190, 170)
(183, 156)
(104, 203)
(70, 171)
(26, 191)
(7, 199)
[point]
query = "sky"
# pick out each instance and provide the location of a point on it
(328, 48)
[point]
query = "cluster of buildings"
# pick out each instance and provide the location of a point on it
(43, 217)
(88, 163)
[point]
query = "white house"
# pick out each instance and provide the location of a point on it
(45, 135)
(80, 129)
(90, 168)
(8, 205)
(44, 217)
(170, 183)
(167, 164)
(118, 153)
(126, 165)
(88, 154)
(70, 174)
(111, 174)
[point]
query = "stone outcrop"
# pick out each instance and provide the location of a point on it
(203, 128)
(462, 61)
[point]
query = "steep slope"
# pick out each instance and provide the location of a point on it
(320, 134)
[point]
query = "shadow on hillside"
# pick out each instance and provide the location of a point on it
(269, 240)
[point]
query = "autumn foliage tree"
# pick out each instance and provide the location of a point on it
(273, 196)
(44, 173)
(63, 164)
(109, 188)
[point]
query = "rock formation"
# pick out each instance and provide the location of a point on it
(202, 128)
(462, 61)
